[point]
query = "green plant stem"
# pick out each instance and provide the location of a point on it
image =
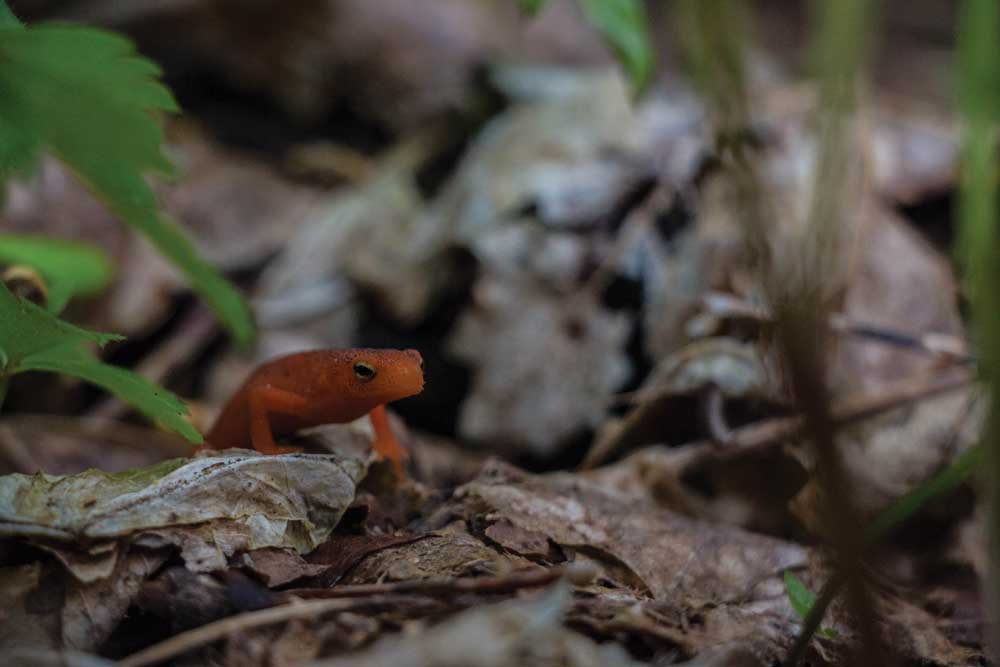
(979, 243)
(799, 290)
(979, 253)
(814, 619)
(898, 513)
(938, 485)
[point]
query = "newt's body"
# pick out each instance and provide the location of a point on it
(320, 387)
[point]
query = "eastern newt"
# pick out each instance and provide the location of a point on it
(319, 387)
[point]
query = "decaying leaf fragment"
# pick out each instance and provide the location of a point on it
(43, 608)
(518, 632)
(531, 391)
(211, 507)
(663, 552)
(677, 583)
(109, 532)
(720, 365)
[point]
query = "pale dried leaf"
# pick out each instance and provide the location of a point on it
(531, 392)
(523, 632)
(92, 611)
(236, 500)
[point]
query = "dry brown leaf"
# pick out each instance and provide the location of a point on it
(44, 608)
(87, 565)
(690, 480)
(663, 551)
(92, 611)
(912, 293)
(277, 567)
(442, 463)
(451, 554)
(917, 634)
(338, 555)
(31, 598)
(893, 453)
(66, 445)
(720, 365)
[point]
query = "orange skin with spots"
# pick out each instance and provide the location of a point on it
(319, 387)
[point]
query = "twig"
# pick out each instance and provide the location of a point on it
(947, 346)
(896, 514)
(770, 432)
(713, 408)
(434, 587)
(845, 411)
(212, 632)
(838, 509)
(813, 619)
(344, 598)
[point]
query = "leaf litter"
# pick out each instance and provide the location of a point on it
(598, 236)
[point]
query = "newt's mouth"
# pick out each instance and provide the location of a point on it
(412, 382)
(408, 380)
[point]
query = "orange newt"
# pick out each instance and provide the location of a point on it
(319, 387)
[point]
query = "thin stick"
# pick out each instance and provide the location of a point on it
(435, 586)
(845, 411)
(770, 432)
(344, 598)
(212, 632)
(813, 619)
(896, 514)
(947, 346)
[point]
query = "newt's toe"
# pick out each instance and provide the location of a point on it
(390, 449)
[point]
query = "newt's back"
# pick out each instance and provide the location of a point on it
(325, 386)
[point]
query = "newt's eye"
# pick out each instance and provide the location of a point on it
(364, 371)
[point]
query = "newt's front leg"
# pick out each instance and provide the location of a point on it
(265, 399)
(386, 445)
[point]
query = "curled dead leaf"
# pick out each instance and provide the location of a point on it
(211, 507)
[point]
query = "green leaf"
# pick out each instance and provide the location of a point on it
(943, 482)
(802, 600)
(978, 246)
(69, 269)
(530, 7)
(86, 94)
(18, 150)
(801, 597)
(33, 339)
(978, 63)
(153, 401)
(26, 329)
(7, 18)
(625, 27)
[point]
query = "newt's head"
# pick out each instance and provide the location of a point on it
(382, 376)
